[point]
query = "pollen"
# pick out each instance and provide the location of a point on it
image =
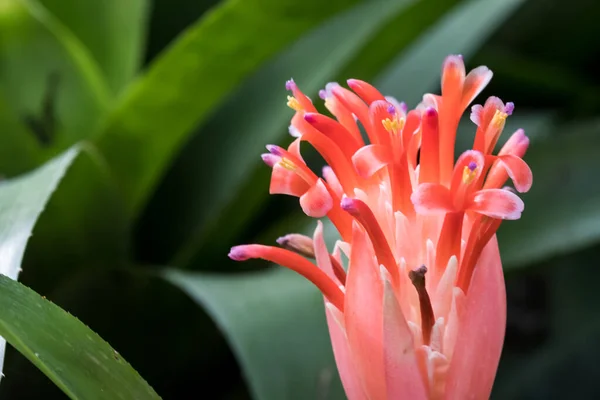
(294, 104)
(393, 125)
(499, 118)
(287, 164)
(469, 173)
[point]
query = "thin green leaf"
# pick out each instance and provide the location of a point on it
(275, 323)
(52, 82)
(562, 210)
(112, 30)
(75, 358)
(21, 202)
(184, 84)
(262, 117)
(462, 31)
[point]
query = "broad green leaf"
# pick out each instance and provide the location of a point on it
(562, 210)
(21, 202)
(201, 196)
(75, 358)
(83, 226)
(182, 86)
(275, 324)
(112, 30)
(53, 84)
(184, 352)
(462, 31)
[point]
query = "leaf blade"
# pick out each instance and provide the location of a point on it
(69, 353)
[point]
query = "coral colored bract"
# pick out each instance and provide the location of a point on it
(421, 311)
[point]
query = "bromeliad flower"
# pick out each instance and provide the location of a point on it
(421, 311)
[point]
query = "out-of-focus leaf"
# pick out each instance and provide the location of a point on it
(16, 138)
(84, 224)
(275, 323)
(565, 365)
(187, 81)
(395, 37)
(169, 18)
(21, 202)
(562, 210)
(76, 359)
(53, 84)
(462, 31)
(112, 30)
(202, 197)
(566, 368)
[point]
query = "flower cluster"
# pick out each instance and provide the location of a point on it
(419, 311)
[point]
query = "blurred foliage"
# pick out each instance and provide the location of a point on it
(171, 103)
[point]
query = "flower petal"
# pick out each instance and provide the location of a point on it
(333, 181)
(453, 77)
(321, 253)
(481, 333)
(496, 203)
(519, 172)
(317, 201)
(284, 181)
(475, 82)
(403, 378)
(341, 351)
(365, 90)
(370, 159)
(363, 314)
(432, 198)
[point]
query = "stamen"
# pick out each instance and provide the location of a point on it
(294, 104)
(393, 126)
(417, 277)
(499, 119)
(469, 173)
(287, 164)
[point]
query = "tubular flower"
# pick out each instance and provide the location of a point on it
(419, 311)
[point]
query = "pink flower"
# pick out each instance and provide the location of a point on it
(421, 311)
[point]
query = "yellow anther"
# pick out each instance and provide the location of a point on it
(499, 118)
(469, 175)
(393, 126)
(287, 164)
(294, 104)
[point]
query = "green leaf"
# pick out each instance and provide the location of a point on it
(21, 202)
(16, 138)
(275, 323)
(187, 81)
(462, 31)
(112, 30)
(201, 207)
(52, 82)
(83, 226)
(562, 210)
(76, 359)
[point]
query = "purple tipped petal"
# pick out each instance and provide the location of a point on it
(238, 253)
(348, 204)
(309, 117)
(290, 85)
(275, 150)
(509, 108)
(270, 159)
(430, 112)
(323, 94)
